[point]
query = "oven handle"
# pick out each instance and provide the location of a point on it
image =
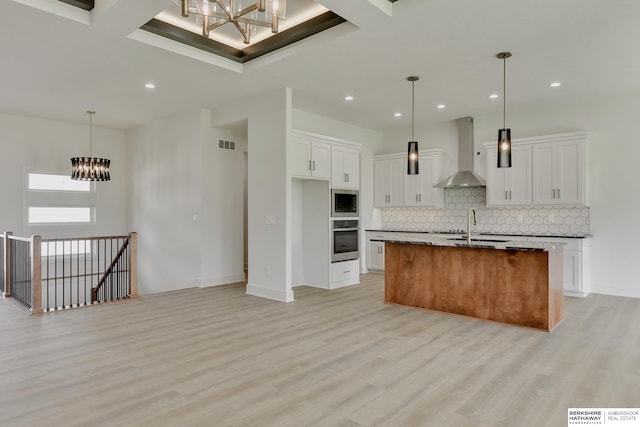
(345, 229)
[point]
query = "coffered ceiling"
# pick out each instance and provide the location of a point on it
(62, 58)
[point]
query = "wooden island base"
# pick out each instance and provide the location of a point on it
(519, 287)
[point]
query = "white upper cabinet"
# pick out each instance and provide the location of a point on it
(389, 181)
(546, 170)
(509, 186)
(309, 158)
(393, 187)
(419, 189)
(558, 173)
(345, 167)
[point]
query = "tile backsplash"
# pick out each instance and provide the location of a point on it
(560, 220)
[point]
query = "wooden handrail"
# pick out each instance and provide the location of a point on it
(107, 272)
(86, 238)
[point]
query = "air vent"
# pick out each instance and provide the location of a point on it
(223, 144)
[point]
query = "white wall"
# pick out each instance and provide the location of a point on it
(613, 156)
(269, 192)
(164, 194)
(29, 144)
(222, 215)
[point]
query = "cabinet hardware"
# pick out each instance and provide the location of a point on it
(348, 271)
(314, 165)
(309, 164)
(558, 193)
(505, 195)
(510, 195)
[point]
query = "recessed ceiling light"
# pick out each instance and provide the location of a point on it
(150, 86)
(397, 115)
(493, 96)
(555, 84)
(440, 106)
(348, 98)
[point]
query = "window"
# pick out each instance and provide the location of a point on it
(59, 215)
(50, 182)
(54, 198)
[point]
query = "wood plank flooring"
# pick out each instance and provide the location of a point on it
(217, 357)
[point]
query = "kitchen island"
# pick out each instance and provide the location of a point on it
(518, 283)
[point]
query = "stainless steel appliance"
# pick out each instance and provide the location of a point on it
(344, 240)
(344, 203)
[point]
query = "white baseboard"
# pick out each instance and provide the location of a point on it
(221, 280)
(262, 292)
(616, 291)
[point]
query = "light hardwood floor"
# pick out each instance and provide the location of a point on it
(216, 357)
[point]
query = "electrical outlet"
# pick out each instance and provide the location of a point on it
(270, 219)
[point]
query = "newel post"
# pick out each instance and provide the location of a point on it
(36, 274)
(6, 270)
(133, 265)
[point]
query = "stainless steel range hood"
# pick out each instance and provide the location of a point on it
(465, 177)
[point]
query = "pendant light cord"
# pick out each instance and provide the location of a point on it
(413, 107)
(91, 113)
(504, 92)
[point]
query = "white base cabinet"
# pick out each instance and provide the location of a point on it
(375, 250)
(345, 273)
(577, 253)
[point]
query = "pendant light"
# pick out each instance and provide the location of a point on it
(412, 152)
(90, 168)
(504, 134)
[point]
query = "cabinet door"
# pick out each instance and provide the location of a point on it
(544, 190)
(320, 160)
(388, 182)
(380, 183)
(569, 173)
(396, 182)
(375, 256)
(519, 176)
(300, 156)
(418, 189)
(413, 187)
(497, 186)
(345, 168)
(571, 271)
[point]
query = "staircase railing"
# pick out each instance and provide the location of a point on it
(54, 274)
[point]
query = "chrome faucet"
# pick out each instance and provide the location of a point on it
(469, 224)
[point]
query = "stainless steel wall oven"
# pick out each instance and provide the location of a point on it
(345, 239)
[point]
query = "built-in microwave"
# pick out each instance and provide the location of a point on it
(344, 203)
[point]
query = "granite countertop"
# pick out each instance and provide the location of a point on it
(563, 236)
(486, 243)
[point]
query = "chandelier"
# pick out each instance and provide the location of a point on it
(245, 15)
(90, 168)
